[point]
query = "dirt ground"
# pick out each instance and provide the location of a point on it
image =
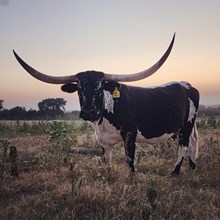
(55, 185)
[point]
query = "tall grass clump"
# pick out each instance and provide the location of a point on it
(208, 123)
(16, 128)
(58, 135)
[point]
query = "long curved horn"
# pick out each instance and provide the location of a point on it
(143, 74)
(43, 77)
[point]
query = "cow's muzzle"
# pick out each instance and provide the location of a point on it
(89, 115)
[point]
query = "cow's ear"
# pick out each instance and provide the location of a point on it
(111, 85)
(70, 87)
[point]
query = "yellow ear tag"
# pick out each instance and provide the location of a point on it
(116, 93)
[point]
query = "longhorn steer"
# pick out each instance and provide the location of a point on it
(134, 114)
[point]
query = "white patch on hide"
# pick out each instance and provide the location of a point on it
(192, 110)
(108, 101)
(185, 84)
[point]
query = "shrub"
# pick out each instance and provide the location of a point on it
(58, 135)
(208, 123)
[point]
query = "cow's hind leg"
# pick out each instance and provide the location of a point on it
(181, 154)
(183, 143)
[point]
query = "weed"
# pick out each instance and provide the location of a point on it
(152, 196)
(5, 143)
(8, 154)
(58, 136)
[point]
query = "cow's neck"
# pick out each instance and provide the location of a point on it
(110, 112)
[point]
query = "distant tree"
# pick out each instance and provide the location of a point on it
(4, 115)
(1, 104)
(32, 115)
(17, 113)
(209, 111)
(52, 107)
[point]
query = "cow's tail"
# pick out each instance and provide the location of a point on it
(193, 145)
(196, 135)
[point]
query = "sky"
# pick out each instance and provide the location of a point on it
(113, 36)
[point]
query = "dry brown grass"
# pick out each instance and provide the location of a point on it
(47, 189)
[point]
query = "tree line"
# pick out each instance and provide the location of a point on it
(54, 108)
(209, 111)
(48, 109)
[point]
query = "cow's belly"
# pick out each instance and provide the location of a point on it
(108, 135)
(141, 139)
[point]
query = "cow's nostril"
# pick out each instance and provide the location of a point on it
(88, 111)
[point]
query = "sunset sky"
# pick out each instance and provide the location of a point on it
(114, 36)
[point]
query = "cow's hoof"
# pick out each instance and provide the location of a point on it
(175, 173)
(192, 165)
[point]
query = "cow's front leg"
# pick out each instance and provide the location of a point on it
(129, 144)
(107, 154)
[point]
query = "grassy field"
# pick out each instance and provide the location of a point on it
(54, 185)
